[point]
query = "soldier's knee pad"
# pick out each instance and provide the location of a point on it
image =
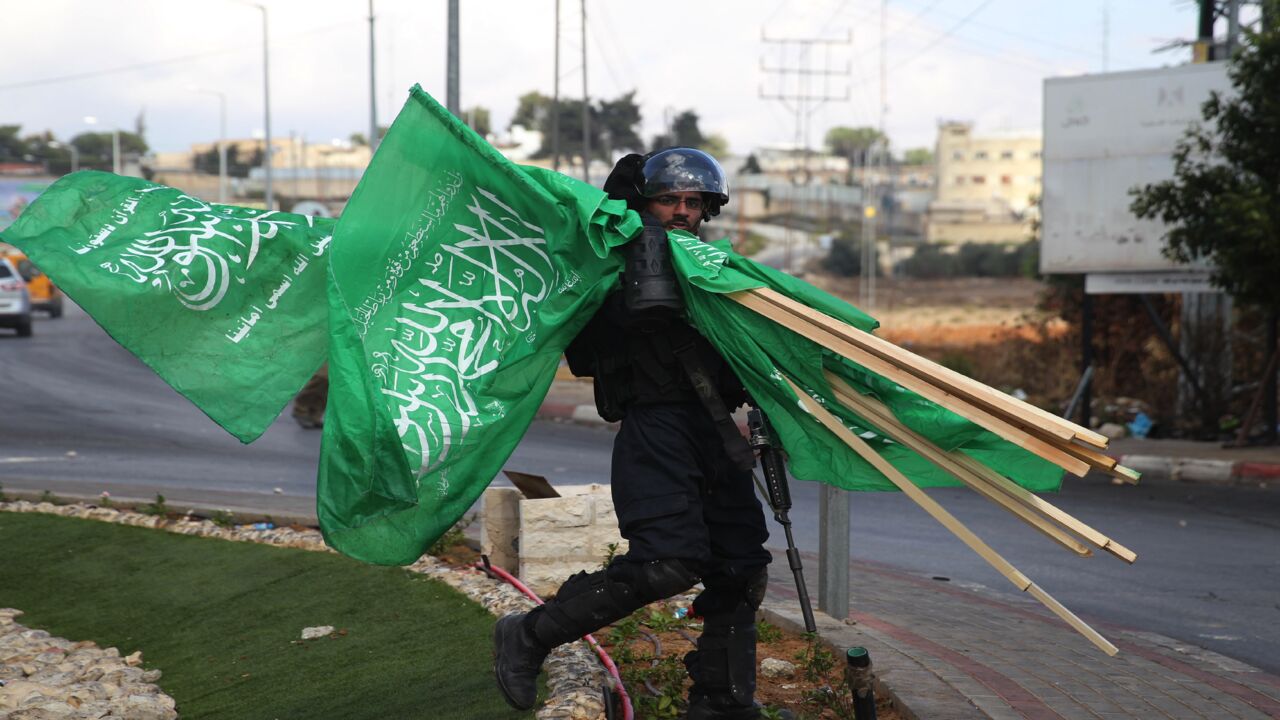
(587, 602)
(654, 580)
(733, 600)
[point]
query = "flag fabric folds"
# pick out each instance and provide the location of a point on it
(760, 351)
(451, 286)
(225, 303)
(457, 280)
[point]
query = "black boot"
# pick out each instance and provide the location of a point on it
(517, 659)
(723, 670)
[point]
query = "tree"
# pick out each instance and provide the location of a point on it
(478, 118)
(853, 143)
(96, 147)
(12, 148)
(849, 142)
(616, 118)
(918, 156)
(1223, 202)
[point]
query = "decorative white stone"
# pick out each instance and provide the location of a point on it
(775, 668)
(314, 633)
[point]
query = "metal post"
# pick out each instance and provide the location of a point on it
(75, 157)
(1086, 357)
(833, 551)
(268, 195)
(1269, 396)
(452, 101)
(222, 148)
(1204, 31)
(117, 164)
(555, 100)
(1233, 26)
(373, 103)
(586, 104)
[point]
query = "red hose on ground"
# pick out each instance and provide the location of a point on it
(609, 665)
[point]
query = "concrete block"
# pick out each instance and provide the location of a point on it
(561, 512)
(500, 532)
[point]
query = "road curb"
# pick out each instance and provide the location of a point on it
(1201, 470)
(237, 514)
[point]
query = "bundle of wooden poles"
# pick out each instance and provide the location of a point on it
(1073, 448)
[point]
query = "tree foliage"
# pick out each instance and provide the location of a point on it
(918, 156)
(1223, 202)
(477, 118)
(613, 123)
(852, 142)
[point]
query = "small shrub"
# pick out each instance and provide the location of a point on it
(767, 632)
(48, 497)
(455, 535)
(157, 507)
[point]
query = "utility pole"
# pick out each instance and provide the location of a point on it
(1233, 26)
(798, 98)
(452, 101)
(1106, 35)
(1204, 31)
(373, 102)
(586, 104)
(802, 101)
(555, 100)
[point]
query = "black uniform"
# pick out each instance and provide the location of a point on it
(685, 504)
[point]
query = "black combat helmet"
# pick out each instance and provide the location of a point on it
(684, 169)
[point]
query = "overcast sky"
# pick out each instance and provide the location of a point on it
(978, 60)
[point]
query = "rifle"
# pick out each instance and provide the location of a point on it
(778, 494)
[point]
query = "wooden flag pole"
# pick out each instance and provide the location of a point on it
(1017, 491)
(946, 378)
(1022, 582)
(982, 473)
(958, 405)
(889, 426)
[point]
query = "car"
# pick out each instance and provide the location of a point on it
(15, 302)
(45, 296)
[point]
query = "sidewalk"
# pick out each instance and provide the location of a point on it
(948, 653)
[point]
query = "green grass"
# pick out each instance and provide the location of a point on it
(220, 619)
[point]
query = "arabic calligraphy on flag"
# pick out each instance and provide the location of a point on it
(223, 302)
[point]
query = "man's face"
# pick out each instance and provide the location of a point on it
(681, 210)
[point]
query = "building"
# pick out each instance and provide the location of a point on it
(987, 186)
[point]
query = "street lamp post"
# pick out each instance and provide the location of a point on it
(222, 141)
(266, 106)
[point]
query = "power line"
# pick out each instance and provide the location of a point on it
(936, 41)
(168, 61)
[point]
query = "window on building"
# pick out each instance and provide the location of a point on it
(980, 155)
(1006, 155)
(959, 179)
(1035, 154)
(1006, 179)
(957, 155)
(979, 179)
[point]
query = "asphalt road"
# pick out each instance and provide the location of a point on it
(81, 415)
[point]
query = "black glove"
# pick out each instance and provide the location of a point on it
(626, 180)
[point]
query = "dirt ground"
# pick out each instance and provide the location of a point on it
(951, 312)
(650, 659)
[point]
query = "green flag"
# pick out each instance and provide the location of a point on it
(759, 349)
(457, 280)
(224, 303)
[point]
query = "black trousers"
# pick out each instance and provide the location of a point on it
(677, 495)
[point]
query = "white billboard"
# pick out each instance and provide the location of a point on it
(1104, 134)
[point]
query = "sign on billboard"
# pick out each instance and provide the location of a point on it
(1105, 134)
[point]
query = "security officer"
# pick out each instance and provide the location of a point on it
(681, 473)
